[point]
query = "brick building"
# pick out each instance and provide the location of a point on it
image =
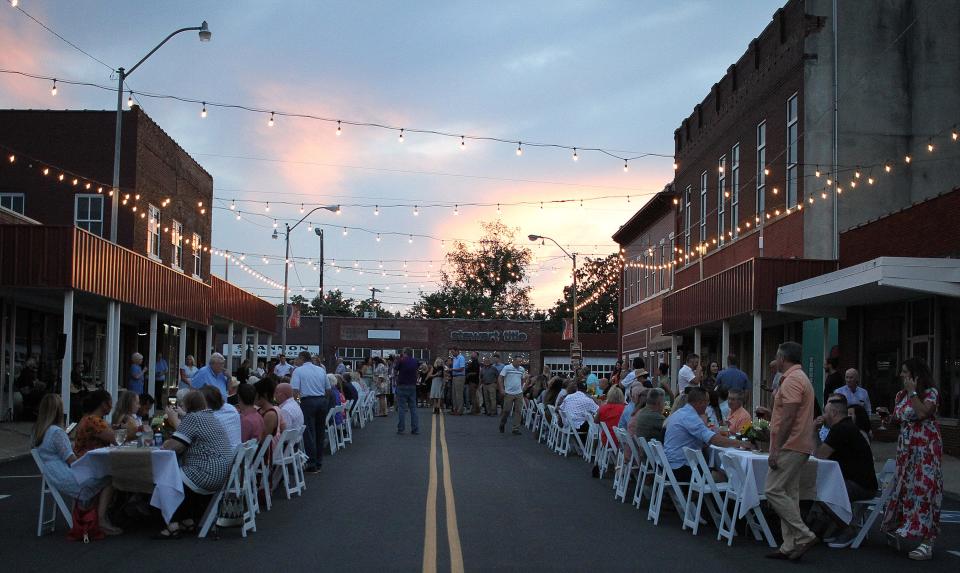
(788, 224)
(74, 303)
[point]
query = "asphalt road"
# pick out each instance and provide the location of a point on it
(492, 502)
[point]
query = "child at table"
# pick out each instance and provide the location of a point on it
(56, 454)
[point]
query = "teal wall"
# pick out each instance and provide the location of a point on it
(813, 350)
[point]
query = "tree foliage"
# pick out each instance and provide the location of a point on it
(334, 304)
(484, 280)
(597, 278)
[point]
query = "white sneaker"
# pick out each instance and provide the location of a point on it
(923, 552)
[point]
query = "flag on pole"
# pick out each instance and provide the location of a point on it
(567, 329)
(294, 319)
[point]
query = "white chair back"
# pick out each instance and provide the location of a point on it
(48, 523)
(645, 469)
(873, 508)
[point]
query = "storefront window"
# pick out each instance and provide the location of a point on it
(949, 382)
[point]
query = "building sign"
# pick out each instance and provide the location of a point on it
(383, 334)
(292, 350)
(488, 336)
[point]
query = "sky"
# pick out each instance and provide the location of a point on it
(614, 75)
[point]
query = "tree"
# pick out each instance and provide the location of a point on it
(366, 305)
(332, 305)
(597, 296)
(483, 280)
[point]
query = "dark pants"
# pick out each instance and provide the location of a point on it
(315, 410)
(192, 506)
(472, 388)
(407, 400)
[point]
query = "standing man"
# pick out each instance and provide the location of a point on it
(310, 385)
(688, 375)
(160, 370)
(855, 394)
(833, 378)
(732, 378)
(791, 443)
(489, 378)
(511, 381)
(407, 368)
(473, 382)
(458, 370)
(497, 362)
(283, 368)
(212, 374)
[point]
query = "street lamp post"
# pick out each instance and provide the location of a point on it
(573, 257)
(286, 266)
(123, 74)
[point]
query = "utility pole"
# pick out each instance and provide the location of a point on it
(226, 265)
(373, 300)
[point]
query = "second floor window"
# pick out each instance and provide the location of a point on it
(735, 190)
(793, 132)
(686, 219)
(176, 238)
(12, 201)
(703, 207)
(88, 213)
(721, 198)
(761, 167)
(195, 243)
(153, 231)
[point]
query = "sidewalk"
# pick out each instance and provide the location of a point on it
(14, 440)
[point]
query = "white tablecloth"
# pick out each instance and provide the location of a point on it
(168, 485)
(821, 481)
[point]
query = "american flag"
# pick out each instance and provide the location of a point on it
(293, 321)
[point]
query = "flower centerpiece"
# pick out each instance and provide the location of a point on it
(758, 432)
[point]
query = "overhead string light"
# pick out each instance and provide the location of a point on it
(270, 121)
(130, 99)
(339, 128)
(400, 139)
(53, 90)
(463, 143)
(376, 210)
(575, 156)
(519, 148)
(203, 111)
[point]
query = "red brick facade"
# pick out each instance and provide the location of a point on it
(152, 165)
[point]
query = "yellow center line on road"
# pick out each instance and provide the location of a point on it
(430, 522)
(453, 532)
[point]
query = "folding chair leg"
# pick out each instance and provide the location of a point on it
(210, 515)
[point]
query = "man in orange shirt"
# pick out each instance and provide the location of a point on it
(791, 443)
(738, 417)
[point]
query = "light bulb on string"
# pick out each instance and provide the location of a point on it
(954, 135)
(575, 156)
(203, 111)
(270, 121)
(233, 205)
(625, 166)
(930, 146)
(238, 216)
(907, 159)
(410, 240)
(344, 231)
(416, 210)
(463, 143)
(339, 211)
(339, 128)
(267, 208)
(376, 209)
(887, 168)
(274, 223)
(498, 209)
(456, 210)
(130, 100)
(400, 139)
(519, 148)
(301, 208)
(378, 237)
(816, 172)
(856, 173)
(309, 227)
(53, 90)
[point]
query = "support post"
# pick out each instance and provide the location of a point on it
(229, 355)
(5, 404)
(152, 357)
(826, 354)
(255, 349)
(209, 344)
(724, 343)
(697, 336)
(269, 350)
(245, 354)
(67, 362)
(181, 351)
(757, 357)
(674, 363)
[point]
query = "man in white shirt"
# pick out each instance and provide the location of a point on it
(310, 384)
(225, 413)
(631, 377)
(283, 368)
(510, 382)
(855, 394)
(688, 373)
(577, 407)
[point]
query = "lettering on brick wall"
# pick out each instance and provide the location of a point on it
(489, 335)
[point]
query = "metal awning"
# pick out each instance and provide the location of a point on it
(882, 280)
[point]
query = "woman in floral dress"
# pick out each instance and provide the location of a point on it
(913, 511)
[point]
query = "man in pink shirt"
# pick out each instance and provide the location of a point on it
(791, 443)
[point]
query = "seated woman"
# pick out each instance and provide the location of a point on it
(205, 458)
(56, 453)
(610, 412)
(93, 431)
(251, 422)
(335, 396)
(125, 415)
(273, 424)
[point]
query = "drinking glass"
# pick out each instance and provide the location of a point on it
(121, 436)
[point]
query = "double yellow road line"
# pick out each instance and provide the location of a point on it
(450, 506)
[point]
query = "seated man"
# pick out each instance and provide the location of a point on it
(846, 446)
(648, 421)
(739, 417)
(685, 429)
(577, 407)
(822, 424)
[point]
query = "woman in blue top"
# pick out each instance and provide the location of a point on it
(137, 373)
(56, 453)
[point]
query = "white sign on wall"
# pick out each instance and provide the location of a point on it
(383, 334)
(292, 350)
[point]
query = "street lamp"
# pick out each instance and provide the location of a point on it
(286, 265)
(205, 35)
(573, 257)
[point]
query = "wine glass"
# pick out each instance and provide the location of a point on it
(120, 436)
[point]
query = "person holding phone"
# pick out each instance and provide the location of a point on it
(913, 511)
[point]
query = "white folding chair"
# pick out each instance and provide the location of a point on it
(554, 426)
(734, 492)
(591, 441)
(213, 508)
(346, 429)
(561, 442)
(702, 485)
(867, 512)
(645, 469)
(45, 523)
(606, 450)
(285, 460)
(630, 463)
(664, 482)
(331, 426)
(244, 488)
(543, 429)
(259, 475)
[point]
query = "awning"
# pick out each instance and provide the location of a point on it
(882, 280)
